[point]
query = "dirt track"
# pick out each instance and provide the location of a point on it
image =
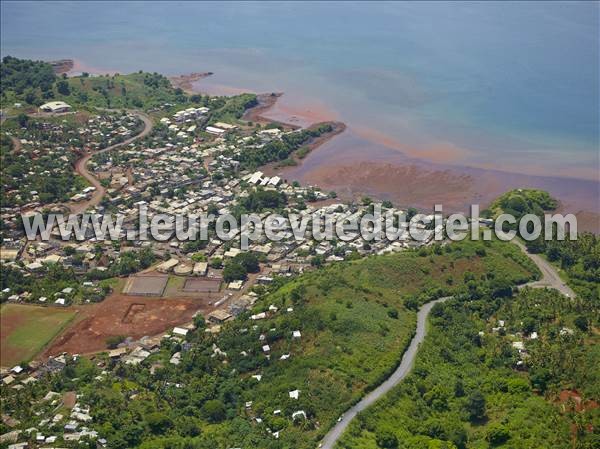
(81, 167)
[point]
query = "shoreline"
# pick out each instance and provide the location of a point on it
(186, 82)
(271, 168)
(265, 103)
(386, 173)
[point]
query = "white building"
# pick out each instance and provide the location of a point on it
(55, 107)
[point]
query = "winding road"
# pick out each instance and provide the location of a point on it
(550, 278)
(81, 166)
(401, 372)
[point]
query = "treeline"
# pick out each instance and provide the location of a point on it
(230, 109)
(519, 202)
(53, 278)
(260, 199)
(26, 79)
(49, 282)
(127, 263)
(278, 150)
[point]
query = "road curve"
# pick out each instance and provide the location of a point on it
(400, 373)
(550, 277)
(81, 167)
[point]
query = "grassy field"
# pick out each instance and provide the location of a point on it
(25, 330)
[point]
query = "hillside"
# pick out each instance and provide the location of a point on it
(355, 319)
(33, 83)
(472, 386)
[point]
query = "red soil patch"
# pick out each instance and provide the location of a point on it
(123, 315)
(573, 397)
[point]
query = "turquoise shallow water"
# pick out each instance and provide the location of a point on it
(512, 86)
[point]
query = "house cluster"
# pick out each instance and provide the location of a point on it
(38, 257)
(520, 340)
(196, 176)
(47, 151)
(59, 418)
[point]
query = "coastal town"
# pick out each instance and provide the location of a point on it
(274, 342)
(188, 164)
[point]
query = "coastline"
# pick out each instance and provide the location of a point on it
(354, 166)
(364, 162)
(265, 103)
(186, 82)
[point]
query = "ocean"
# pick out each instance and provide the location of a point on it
(510, 86)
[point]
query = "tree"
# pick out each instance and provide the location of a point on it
(158, 422)
(497, 434)
(317, 261)
(501, 288)
(22, 120)
(386, 440)
(581, 322)
(198, 257)
(393, 313)
(31, 97)
(411, 212)
(63, 88)
(213, 410)
(234, 271)
(249, 261)
(216, 262)
(199, 322)
(69, 250)
(113, 341)
(476, 406)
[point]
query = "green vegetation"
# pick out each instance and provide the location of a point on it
(279, 150)
(579, 259)
(53, 278)
(41, 170)
(22, 79)
(18, 184)
(520, 202)
(260, 199)
(230, 109)
(34, 83)
(27, 329)
(139, 90)
(468, 388)
(129, 262)
(53, 281)
(240, 266)
(355, 320)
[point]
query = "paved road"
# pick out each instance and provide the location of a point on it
(81, 167)
(401, 372)
(550, 277)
